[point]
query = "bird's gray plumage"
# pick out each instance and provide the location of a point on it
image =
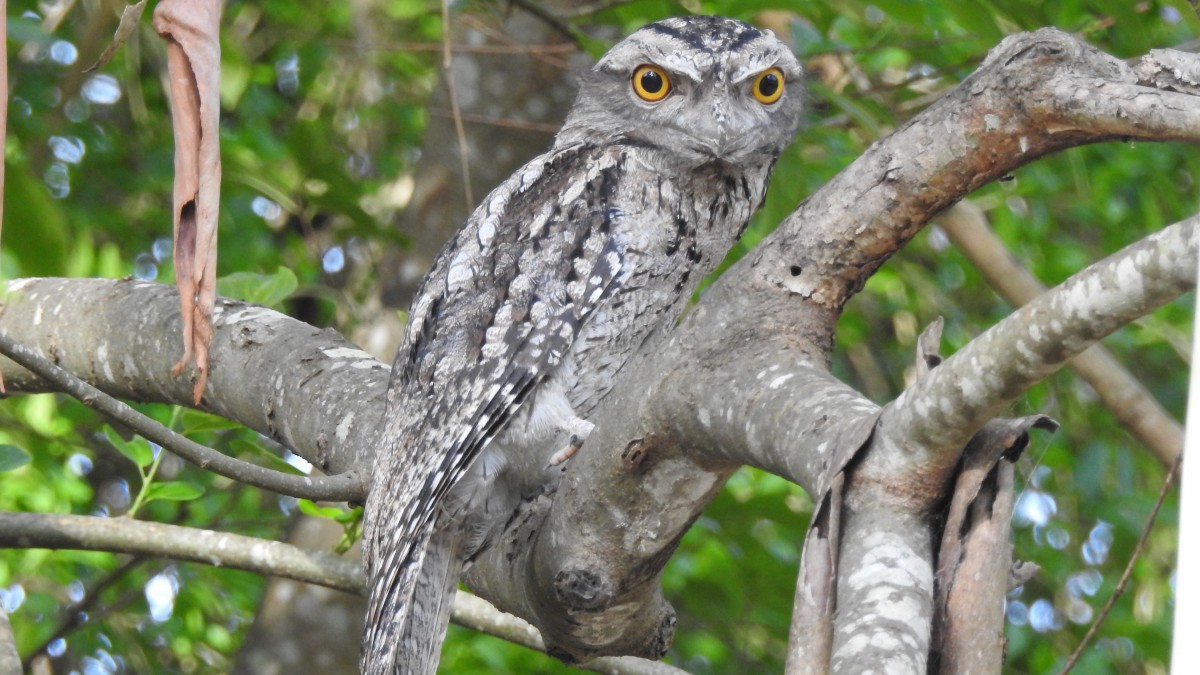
(561, 274)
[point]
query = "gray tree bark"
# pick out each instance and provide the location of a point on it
(744, 380)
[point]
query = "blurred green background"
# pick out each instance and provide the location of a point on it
(339, 167)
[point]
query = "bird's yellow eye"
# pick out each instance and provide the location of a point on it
(651, 83)
(768, 86)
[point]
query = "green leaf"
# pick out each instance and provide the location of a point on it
(42, 250)
(195, 421)
(267, 290)
(308, 507)
(136, 450)
(242, 446)
(12, 457)
(173, 491)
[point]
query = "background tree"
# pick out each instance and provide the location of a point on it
(322, 132)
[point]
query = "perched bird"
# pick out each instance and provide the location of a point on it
(565, 271)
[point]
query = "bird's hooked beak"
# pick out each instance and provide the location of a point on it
(721, 140)
(717, 134)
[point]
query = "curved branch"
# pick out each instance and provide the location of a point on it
(930, 422)
(342, 487)
(1131, 404)
(1035, 94)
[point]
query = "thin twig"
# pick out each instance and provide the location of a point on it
(343, 487)
(585, 10)
(448, 68)
(76, 614)
(176, 542)
(497, 34)
(1124, 580)
(568, 31)
(471, 118)
(460, 48)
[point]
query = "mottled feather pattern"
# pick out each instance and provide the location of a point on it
(585, 255)
(488, 326)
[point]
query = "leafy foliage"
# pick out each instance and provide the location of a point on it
(321, 126)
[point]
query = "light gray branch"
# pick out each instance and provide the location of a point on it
(122, 535)
(921, 435)
(222, 549)
(477, 614)
(1133, 406)
(10, 660)
(885, 591)
(306, 388)
(932, 420)
(345, 487)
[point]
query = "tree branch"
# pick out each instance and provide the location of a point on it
(120, 535)
(920, 438)
(10, 660)
(77, 614)
(1127, 573)
(1131, 404)
(1024, 102)
(477, 614)
(306, 388)
(931, 421)
(343, 487)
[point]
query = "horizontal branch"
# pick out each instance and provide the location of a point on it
(307, 388)
(478, 614)
(122, 535)
(222, 549)
(343, 487)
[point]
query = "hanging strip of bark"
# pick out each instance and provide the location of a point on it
(191, 30)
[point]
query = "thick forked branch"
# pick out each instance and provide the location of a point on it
(920, 436)
(744, 380)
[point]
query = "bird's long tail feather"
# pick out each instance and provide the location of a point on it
(408, 613)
